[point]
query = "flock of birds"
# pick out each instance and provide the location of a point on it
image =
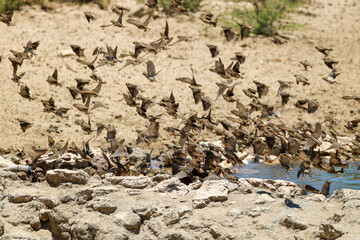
(248, 133)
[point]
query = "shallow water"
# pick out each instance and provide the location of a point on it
(264, 171)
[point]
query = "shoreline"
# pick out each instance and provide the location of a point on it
(73, 205)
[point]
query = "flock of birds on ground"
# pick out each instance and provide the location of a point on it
(247, 134)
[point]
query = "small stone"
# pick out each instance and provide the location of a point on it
(161, 177)
(313, 197)
(129, 220)
(143, 211)
(293, 223)
(171, 217)
(35, 224)
(48, 202)
(210, 191)
(131, 181)
(104, 206)
(264, 198)
(155, 226)
(182, 210)
(20, 198)
(166, 185)
(44, 215)
(233, 212)
(244, 186)
(328, 232)
(1, 228)
(58, 176)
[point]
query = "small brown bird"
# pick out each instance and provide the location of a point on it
(138, 24)
(191, 81)
(24, 92)
(324, 50)
(229, 33)
(206, 102)
(151, 72)
(305, 64)
(326, 188)
(240, 57)
(53, 79)
(283, 85)
(262, 89)
(89, 16)
(177, 5)
(31, 46)
(278, 40)
(301, 79)
(49, 105)
(330, 63)
(24, 124)
(312, 106)
(285, 97)
(134, 90)
(244, 30)
(208, 18)
(219, 69)
(6, 17)
(285, 162)
(129, 100)
(214, 50)
(182, 39)
(152, 4)
(79, 51)
(197, 94)
(118, 23)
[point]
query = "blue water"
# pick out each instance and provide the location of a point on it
(264, 171)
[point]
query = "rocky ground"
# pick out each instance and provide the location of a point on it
(73, 205)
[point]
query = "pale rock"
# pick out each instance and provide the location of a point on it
(344, 195)
(102, 205)
(129, 220)
(264, 198)
(328, 232)
(58, 176)
(291, 222)
(234, 213)
(231, 186)
(171, 217)
(84, 230)
(195, 185)
(35, 224)
(161, 177)
(336, 217)
(175, 234)
(156, 226)
(21, 198)
(352, 204)
(244, 186)
(313, 197)
(183, 209)
(227, 223)
(210, 191)
(255, 211)
(193, 225)
(215, 232)
(166, 185)
(133, 192)
(143, 211)
(133, 182)
(48, 202)
(44, 214)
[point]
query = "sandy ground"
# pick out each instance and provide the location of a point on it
(336, 24)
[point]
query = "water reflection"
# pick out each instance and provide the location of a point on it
(260, 170)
